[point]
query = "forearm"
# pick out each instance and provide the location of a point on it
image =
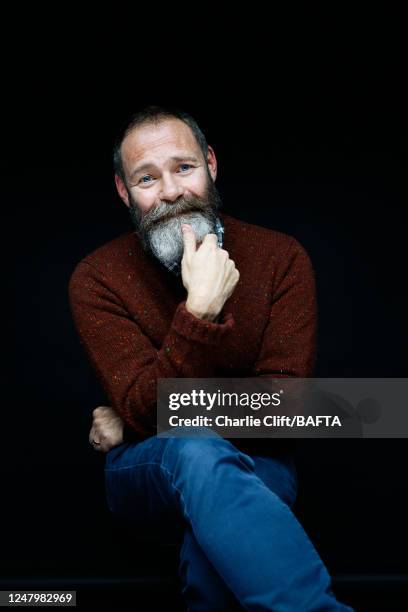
(187, 352)
(123, 355)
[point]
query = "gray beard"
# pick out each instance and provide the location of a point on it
(160, 228)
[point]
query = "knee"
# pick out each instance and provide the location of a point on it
(205, 451)
(200, 446)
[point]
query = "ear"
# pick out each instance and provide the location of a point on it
(212, 163)
(121, 189)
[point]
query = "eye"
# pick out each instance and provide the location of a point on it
(186, 166)
(142, 179)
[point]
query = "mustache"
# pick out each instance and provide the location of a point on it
(163, 212)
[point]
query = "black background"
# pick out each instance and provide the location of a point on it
(306, 114)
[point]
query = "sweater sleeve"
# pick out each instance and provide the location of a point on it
(289, 342)
(123, 357)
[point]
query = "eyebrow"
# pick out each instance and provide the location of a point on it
(177, 158)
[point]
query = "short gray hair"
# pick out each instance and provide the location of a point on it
(155, 115)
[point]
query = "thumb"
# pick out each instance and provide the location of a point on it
(189, 239)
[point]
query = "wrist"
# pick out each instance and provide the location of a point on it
(201, 310)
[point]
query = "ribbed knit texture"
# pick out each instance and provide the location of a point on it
(130, 315)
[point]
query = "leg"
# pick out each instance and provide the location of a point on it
(247, 533)
(138, 493)
(203, 588)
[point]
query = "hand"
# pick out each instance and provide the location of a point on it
(208, 274)
(107, 429)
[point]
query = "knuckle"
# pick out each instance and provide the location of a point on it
(213, 240)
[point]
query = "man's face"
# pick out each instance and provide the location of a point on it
(168, 182)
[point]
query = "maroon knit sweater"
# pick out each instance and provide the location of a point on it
(130, 314)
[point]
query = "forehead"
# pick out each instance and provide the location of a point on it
(156, 142)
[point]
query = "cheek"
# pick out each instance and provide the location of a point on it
(145, 201)
(196, 186)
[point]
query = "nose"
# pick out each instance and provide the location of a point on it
(171, 189)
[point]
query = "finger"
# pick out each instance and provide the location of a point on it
(210, 238)
(106, 446)
(100, 410)
(91, 435)
(189, 239)
(94, 438)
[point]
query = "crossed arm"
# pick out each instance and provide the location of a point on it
(129, 378)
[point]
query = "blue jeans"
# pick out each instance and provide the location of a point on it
(241, 545)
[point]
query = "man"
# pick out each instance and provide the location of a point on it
(195, 293)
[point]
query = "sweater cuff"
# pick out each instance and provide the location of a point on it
(206, 332)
